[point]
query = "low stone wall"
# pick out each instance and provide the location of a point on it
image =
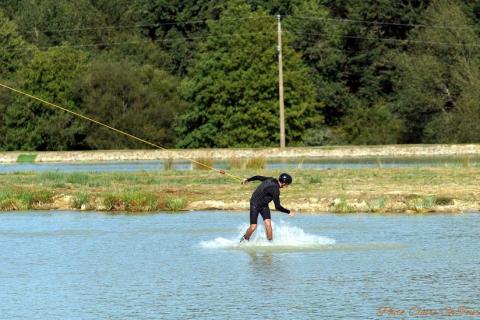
(337, 152)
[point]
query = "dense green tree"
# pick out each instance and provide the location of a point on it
(32, 125)
(282, 7)
(430, 85)
(233, 87)
(52, 22)
(14, 50)
(462, 123)
(176, 25)
(320, 42)
(374, 125)
(140, 100)
(138, 50)
(360, 72)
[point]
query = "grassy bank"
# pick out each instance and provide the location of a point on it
(412, 190)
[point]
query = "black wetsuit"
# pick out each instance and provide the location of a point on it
(267, 191)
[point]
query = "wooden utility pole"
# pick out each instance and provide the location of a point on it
(280, 85)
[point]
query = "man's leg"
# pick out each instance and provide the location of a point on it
(253, 224)
(250, 231)
(268, 228)
(267, 221)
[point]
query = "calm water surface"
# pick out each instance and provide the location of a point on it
(272, 164)
(68, 265)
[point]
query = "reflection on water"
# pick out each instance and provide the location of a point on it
(70, 265)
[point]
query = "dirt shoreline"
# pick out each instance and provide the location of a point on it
(330, 152)
(313, 206)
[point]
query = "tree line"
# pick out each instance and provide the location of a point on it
(190, 74)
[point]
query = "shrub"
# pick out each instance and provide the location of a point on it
(26, 158)
(236, 163)
(175, 204)
(256, 163)
(444, 201)
(140, 201)
(421, 204)
(340, 205)
(315, 179)
(376, 205)
(81, 200)
(168, 164)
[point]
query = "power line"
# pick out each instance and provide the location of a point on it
(139, 26)
(226, 35)
(99, 44)
(398, 24)
(187, 22)
(403, 41)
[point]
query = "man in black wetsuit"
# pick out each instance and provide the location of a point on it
(267, 191)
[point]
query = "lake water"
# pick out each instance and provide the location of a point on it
(70, 265)
(273, 164)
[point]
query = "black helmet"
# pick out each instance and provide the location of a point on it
(285, 178)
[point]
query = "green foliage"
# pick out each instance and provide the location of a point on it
(320, 43)
(53, 22)
(26, 157)
(376, 205)
(258, 163)
(236, 163)
(444, 201)
(341, 205)
(204, 73)
(420, 204)
(168, 164)
(438, 86)
(24, 199)
(78, 178)
(140, 201)
(139, 100)
(111, 201)
(170, 23)
(32, 125)
(175, 204)
(14, 49)
(233, 89)
(81, 200)
(315, 179)
(375, 125)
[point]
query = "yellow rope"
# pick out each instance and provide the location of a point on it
(116, 130)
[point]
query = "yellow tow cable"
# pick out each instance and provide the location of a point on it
(119, 131)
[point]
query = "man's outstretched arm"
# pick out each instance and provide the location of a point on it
(255, 178)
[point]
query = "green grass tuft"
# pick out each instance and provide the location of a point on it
(168, 165)
(315, 179)
(78, 178)
(257, 163)
(444, 201)
(81, 200)
(140, 201)
(236, 163)
(421, 204)
(376, 205)
(175, 204)
(24, 199)
(26, 158)
(341, 205)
